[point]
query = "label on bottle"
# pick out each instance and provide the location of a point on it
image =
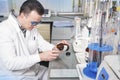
(65, 48)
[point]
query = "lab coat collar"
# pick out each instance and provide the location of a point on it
(12, 19)
(15, 22)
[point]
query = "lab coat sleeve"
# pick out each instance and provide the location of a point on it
(43, 44)
(10, 59)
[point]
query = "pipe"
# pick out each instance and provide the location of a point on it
(67, 14)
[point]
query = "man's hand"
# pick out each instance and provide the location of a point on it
(49, 55)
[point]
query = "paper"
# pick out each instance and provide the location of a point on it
(63, 73)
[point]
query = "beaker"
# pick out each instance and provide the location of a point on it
(97, 52)
(96, 55)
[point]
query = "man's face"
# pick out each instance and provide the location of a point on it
(31, 20)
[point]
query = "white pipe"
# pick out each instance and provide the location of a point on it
(67, 14)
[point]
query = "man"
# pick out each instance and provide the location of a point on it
(20, 44)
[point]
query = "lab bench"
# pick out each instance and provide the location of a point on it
(52, 33)
(64, 67)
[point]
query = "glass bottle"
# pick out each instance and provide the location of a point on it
(62, 47)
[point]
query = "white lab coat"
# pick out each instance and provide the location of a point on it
(18, 55)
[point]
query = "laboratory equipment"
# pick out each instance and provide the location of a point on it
(118, 49)
(62, 47)
(47, 13)
(95, 58)
(62, 30)
(77, 35)
(80, 36)
(100, 46)
(109, 68)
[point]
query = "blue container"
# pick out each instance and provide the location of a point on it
(96, 54)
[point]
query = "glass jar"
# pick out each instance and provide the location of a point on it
(62, 47)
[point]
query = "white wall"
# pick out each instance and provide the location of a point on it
(53, 5)
(5, 7)
(58, 5)
(16, 5)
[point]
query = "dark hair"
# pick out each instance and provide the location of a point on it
(31, 5)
